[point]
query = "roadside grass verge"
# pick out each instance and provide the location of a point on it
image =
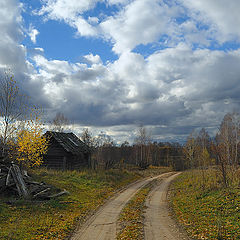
(151, 171)
(209, 212)
(131, 219)
(55, 219)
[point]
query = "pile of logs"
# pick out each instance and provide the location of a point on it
(13, 180)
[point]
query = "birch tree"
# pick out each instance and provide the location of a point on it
(143, 148)
(12, 108)
(226, 147)
(189, 150)
(60, 122)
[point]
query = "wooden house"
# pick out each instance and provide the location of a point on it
(66, 151)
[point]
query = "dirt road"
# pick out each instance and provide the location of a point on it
(158, 224)
(102, 226)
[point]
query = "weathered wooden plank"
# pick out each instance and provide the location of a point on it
(3, 181)
(9, 179)
(19, 181)
(59, 194)
(34, 183)
(41, 193)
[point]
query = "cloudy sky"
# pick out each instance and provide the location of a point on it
(110, 65)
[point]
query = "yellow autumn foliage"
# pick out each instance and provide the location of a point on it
(31, 145)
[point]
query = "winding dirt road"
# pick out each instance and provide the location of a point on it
(103, 225)
(158, 224)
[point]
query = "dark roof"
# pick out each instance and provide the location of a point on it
(69, 141)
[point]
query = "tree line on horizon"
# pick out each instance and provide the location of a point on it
(143, 152)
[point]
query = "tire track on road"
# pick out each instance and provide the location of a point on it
(158, 224)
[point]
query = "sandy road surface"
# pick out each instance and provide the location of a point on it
(158, 224)
(102, 226)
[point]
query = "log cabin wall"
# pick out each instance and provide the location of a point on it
(58, 158)
(55, 156)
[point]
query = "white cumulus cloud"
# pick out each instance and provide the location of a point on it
(71, 12)
(33, 34)
(222, 16)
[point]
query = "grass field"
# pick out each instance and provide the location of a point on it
(55, 219)
(131, 218)
(212, 212)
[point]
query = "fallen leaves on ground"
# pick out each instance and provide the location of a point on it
(210, 213)
(131, 217)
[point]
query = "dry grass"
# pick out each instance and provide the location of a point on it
(55, 219)
(209, 211)
(131, 217)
